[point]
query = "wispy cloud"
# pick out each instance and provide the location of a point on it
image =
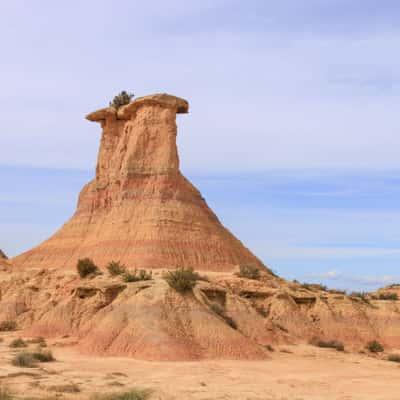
(358, 279)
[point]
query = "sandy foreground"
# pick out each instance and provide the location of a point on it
(292, 373)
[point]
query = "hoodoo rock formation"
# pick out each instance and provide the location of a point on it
(140, 210)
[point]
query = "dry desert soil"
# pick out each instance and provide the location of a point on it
(300, 372)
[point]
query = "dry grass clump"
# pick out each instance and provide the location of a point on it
(44, 356)
(388, 296)
(114, 268)
(132, 394)
(86, 267)
(327, 344)
(249, 272)
(27, 359)
(8, 326)
(374, 347)
(136, 276)
(24, 360)
(182, 279)
(18, 343)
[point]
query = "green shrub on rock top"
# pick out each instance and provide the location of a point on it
(86, 267)
(182, 279)
(374, 347)
(114, 268)
(249, 272)
(121, 99)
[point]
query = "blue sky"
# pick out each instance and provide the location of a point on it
(293, 135)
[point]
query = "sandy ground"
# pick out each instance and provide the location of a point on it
(292, 373)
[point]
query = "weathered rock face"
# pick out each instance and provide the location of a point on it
(140, 210)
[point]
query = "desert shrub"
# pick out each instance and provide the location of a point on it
(115, 268)
(374, 346)
(121, 99)
(18, 343)
(86, 267)
(136, 276)
(5, 393)
(43, 356)
(24, 360)
(388, 296)
(327, 344)
(394, 358)
(249, 272)
(132, 394)
(182, 279)
(8, 325)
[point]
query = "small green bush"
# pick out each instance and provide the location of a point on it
(115, 268)
(141, 275)
(5, 393)
(374, 347)
(394, 358)
(86, 267)
(388, 296)
(8, 326)
(18, 343)
(133, 394)
(249, 272)
(327, 344)
(24, 360)
(43, 356)
(121, 99)
(182, 279)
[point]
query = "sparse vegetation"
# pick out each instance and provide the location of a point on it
(86, 267)
(374, 347)
(388, 296)
(27, 359)
(132, 394)
(24, 360)
(394, 358)
(249, 272)
(364, 296)
(43, 356)
(18, 343)
(114, 268)
(8, 326)
(5, 393)
(327, 344)
(121, 99)
(136, 276)
(182, 279)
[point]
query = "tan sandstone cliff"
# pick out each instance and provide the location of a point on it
(140, 210)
